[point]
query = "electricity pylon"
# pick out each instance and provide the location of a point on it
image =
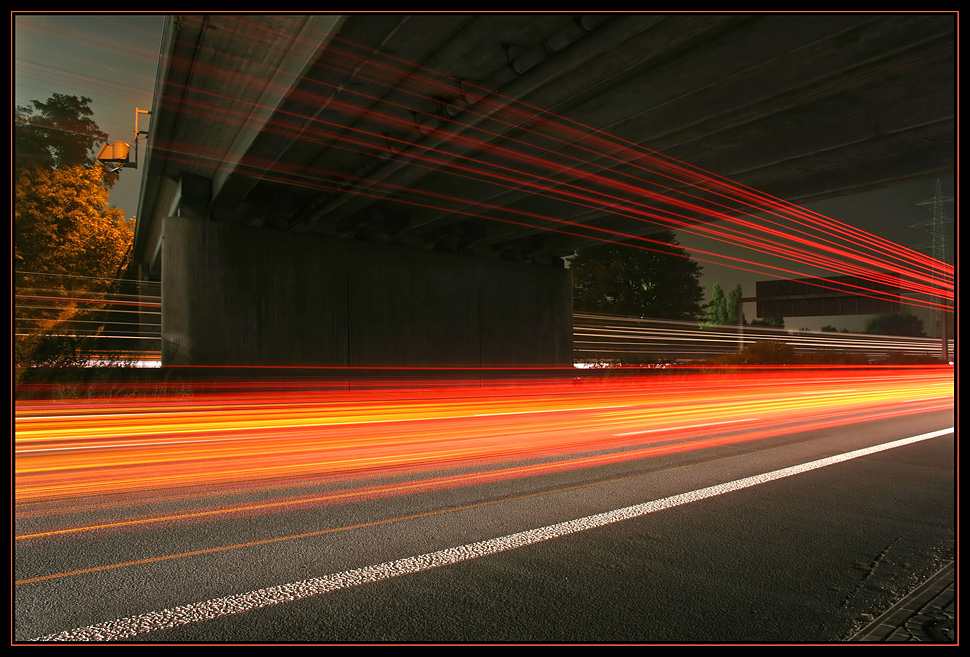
(940, 228)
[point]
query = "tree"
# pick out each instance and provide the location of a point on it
(57, 133)
(660, 282)
(734, 296)
(63, 223)
(717, 310)
(902, 324)
(770, 322)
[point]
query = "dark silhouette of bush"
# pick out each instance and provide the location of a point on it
(763, 352)
(773, 352)
(902, 324)
(833, 357)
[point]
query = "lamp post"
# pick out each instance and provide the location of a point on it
(116, 154)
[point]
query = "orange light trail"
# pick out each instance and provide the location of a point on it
(441, 435)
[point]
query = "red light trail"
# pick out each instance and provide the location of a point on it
(573, 152)
(158, 456)
(278, 441)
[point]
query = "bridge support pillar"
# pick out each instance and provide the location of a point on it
(237, 295)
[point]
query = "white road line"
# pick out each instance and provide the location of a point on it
(124, 628)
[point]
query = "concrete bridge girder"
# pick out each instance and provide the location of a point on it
(252, 116)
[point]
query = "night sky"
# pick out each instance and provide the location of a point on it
(112, 59)
(894, 213)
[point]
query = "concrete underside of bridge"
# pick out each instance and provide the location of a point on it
(236, 295)
(391, 189)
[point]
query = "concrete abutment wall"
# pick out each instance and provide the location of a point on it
(238, 295)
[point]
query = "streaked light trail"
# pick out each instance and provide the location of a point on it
(556, 158)
(125, 628)
(282, 440)
(606, 338)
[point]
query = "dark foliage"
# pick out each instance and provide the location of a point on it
(656, 279)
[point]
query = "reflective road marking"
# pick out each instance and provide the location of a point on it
(125, 628)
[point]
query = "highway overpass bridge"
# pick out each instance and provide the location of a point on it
(391, 189)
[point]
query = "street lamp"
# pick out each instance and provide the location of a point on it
(116, 155)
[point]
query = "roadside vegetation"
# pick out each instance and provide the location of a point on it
(772, 352)
(70, 246)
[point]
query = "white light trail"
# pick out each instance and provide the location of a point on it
(125, 628)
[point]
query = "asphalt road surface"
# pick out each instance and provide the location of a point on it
(495, 516)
